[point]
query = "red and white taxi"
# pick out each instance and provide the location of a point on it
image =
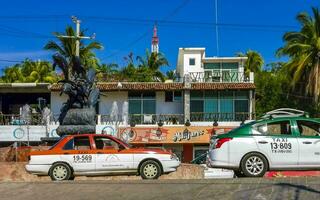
(92, 154)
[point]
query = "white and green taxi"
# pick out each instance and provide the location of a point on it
(284, 139)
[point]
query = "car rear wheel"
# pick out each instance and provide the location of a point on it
(150, 169)
(60, 172)
(254, 165)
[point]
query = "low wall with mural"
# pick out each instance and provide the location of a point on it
(170, 134)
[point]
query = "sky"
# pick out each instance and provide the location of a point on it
(125, 26)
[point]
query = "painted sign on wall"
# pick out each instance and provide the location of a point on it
(176, 134)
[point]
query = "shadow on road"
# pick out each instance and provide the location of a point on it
(298, 189)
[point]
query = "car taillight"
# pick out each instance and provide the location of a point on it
(220, 142)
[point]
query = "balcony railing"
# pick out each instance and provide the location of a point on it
(166, 119)
(221, 77)
(144, 119)
(235, 116)
(13, 119)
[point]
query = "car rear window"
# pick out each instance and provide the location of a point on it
(273, 128)
(53, 146)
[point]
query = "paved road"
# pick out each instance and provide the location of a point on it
(279, 188)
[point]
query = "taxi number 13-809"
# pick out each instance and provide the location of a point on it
(281, 145)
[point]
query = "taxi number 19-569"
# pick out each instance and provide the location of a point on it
(82, 158)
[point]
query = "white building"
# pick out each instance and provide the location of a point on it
(212, 93)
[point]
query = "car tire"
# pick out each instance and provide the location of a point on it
(150, 169)
(254, 165)
(238, 173)
(60, 172)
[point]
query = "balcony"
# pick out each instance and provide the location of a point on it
(214, 76)
(226, 117)
(166, 119)
(15, 119)
(136, 119)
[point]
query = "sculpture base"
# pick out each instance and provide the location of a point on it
(80, 116)
(75, 129)
(78, 121)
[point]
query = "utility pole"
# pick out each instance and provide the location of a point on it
(77, 37)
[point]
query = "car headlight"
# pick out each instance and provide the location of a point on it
(174, 157)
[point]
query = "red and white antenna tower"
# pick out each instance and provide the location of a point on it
(155, 40)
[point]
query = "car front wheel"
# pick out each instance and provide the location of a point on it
(60, 172)
(150, 169)
(254, 165)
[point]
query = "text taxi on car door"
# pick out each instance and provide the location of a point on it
(284, 139)
(92, 154)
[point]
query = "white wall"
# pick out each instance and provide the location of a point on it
(56, 102)
(193, 68)
(162, 107)
(35, 133)
(107, 98)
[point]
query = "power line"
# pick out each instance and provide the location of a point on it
(11, 61)
(175, 11)
(21, 33)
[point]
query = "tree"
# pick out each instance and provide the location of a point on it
(67, 48)
(303, 49)
(171, 74)
(153, 61)
(106, 72)
(38, 72)
(13, 74)
(31, 72)
(254, 62)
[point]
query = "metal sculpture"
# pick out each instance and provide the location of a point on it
(79, 85)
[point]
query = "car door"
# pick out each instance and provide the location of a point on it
(278, 142)
(309, 142)
(79, 153)
(111, 155)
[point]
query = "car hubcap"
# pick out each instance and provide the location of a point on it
(60, 172)
(254, 165)
(150, 170)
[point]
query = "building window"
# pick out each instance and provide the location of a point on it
(140, 104)
(177, 96)
(171, 96)
(222, 105)
(168, 96)
(192, 61)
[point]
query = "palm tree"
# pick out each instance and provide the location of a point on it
(303, 49)
(254, 62)
(107, 71)
(13, 74)
(67, 48)
(153, 61)
(31, 72)
(171, 74)
(38, 72)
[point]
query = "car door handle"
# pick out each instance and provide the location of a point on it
(262, 142)
(307, 142)
(66, 153)
(99, 152)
